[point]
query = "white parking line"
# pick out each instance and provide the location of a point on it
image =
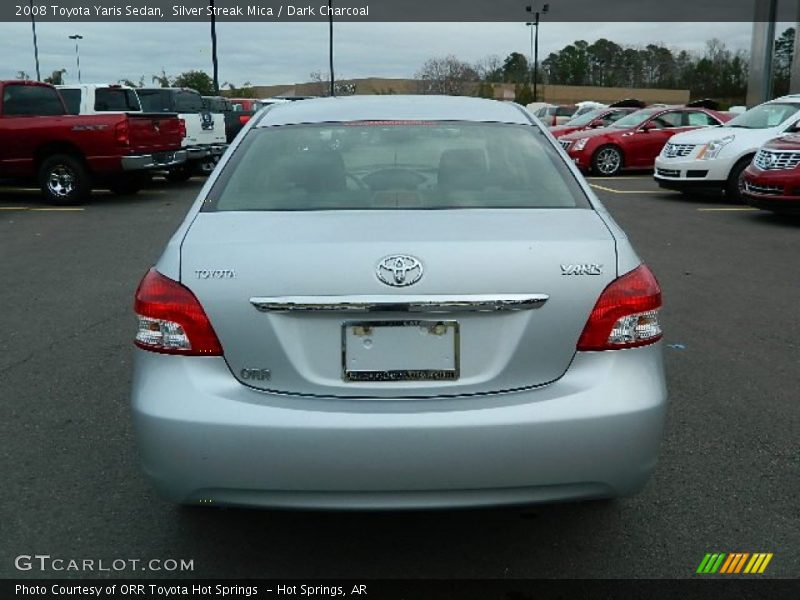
(619, 178)
(615, 191)
(45, 209)
(59, 209)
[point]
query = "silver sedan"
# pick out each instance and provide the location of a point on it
(397, 302)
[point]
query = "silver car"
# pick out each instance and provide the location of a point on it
(397, 302)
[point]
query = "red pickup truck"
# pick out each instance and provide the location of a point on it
(69, 155)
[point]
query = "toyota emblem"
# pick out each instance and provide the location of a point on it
(399, 270)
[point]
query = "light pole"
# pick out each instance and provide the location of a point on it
(35, 44)
(77, 37)
(535, 23)
(214, 62)
(330, 45)
(530, 77)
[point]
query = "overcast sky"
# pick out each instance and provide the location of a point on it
(272, 53)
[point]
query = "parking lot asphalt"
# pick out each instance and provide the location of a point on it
(728, 479)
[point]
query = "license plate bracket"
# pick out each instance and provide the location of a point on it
(400, 351)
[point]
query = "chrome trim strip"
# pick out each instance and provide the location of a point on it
(414, 304)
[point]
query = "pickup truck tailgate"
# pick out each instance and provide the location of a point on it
(156, 132)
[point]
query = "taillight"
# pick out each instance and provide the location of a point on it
(625, 315)
(122, 133)
(171, 319)
(182, 127)
(243, 119)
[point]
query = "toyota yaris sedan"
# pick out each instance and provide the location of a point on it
(397, 302)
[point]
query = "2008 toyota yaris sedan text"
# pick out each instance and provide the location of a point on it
(397, 302)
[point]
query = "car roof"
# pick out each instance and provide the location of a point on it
(95, 86)
(394, 108)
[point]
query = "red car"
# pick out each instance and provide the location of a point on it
(772, 181)
(245, 104)
(594, 119)
(635, 140)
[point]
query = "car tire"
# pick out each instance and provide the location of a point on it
(180, 174)
(206, 167)
(734, 186)
(64, 180)
(607, 161)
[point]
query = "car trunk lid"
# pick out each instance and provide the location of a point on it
(297, 300)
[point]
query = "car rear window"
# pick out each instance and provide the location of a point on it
(156, 100)
(217, 105)
(380, 165)
(188, 102)
(72, 98)
(116, 100)
(566, 111)
(31, 100)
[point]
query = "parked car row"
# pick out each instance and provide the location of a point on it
(206, 129)
(70, 154)
(608, 141)
(751, 155)
(754, 158)
(73, 138)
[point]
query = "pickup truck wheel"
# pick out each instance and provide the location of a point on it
(735, 185)
(179, 174)
(607, 161)
(206, 166)
(64, 180)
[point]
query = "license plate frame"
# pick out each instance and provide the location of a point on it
(402, 375)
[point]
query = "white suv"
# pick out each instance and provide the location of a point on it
(205, 140)
(99, 98)
(716, 157)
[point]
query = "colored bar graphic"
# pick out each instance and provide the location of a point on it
(727, 564)
(755, 562)
(703, 564)
(718, 563)
(764, 564)
(740, 564)
(734, 563)
(711, 563)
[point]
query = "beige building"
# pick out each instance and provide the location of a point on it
(555, 94)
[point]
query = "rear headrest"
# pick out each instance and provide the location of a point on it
(463, 169)
(313, 171)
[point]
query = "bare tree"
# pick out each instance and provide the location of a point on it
(490, 68)
(131, 83)
(57, 78)
(321, 85)
(446, 75)
(162, 80)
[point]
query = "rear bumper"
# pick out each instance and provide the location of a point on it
(160, 160)
(205, 438)
(202, 152)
